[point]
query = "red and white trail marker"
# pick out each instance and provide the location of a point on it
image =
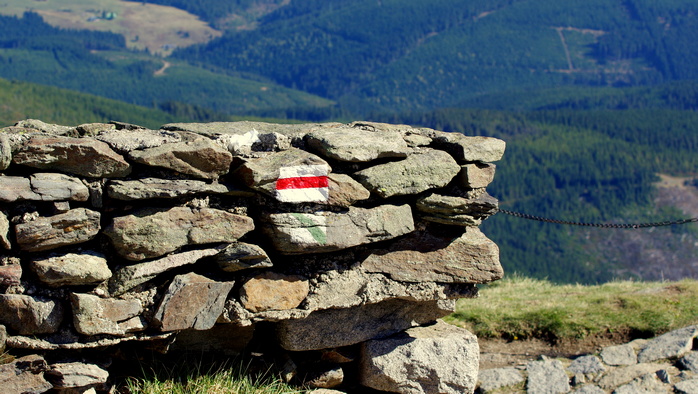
(303, 183)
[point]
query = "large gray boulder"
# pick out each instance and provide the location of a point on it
(423, 170)
(73, 227)
(80, 156)
(357, 145)
(297, 233)
(673, 344)
(440, 358)
(426, 257)
(153, 233)
(342, 327)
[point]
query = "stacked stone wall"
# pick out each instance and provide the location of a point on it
(345, 241)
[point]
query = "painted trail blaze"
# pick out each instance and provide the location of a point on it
(302, 183)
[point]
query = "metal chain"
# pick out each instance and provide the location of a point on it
(601, 225)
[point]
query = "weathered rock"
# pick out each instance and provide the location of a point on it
(690, 361)
(271, 142)
(30, 315)
(273, 291)
(142, 189)
(424, 256)
(357, 145)
(590, 389)
(459, 211)
(4, 232)
(673, 344)
(93, 315)
(345, 191)
(44, 127)
(192, 302)
(619, 355)
(228, 339)
(547, 376)
(644, 384)
(356, 287)
(324, 376)
(289, 176)
(586, 365)
(470, 149)
(125, 141)
(620, 376)
(133, 275)
(153, 233)
(93, 129)
(76, 375)
(200, 158)
(80, 156)
(5, 152)
(497, 378)
(341, 327)
(3, 338)
(42, 187)
(72, 269)
(423, 170)
(477, 175)
(70, 228)
(329, 231)
(440, 358)
(240, 255)
(25, 375)
(215, 129)
(686, 387)
(10, 272)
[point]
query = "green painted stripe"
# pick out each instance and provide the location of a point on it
(319, 234)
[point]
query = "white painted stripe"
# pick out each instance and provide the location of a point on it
(302, 171)
(303, 195)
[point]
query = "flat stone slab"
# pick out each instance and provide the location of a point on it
(673, 344)
(424, 257)
(146, 188)
(42, 187)
(76, 375)
(421, 171)
(153, 233)
(497, 378)
(124, 141)
(357, 145)
(298, 233)
(470, 149)
(547, 376)
(192, 301)
(93, 315)
(80, 156)
(438, 358)
(342, 327)
(200, 158)
(29, 315)
(619, 355)
(25, 375)
(273, 291)
(73, 227)
(72, 269)
(586, 365)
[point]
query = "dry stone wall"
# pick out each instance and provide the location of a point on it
(347, 240)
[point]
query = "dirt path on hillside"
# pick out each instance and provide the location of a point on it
(500, 353)
(161, 71)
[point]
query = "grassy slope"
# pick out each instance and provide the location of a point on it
(519, 307)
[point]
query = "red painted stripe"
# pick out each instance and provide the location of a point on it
(301, 182)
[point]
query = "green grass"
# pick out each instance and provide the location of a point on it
(195, 376)
(519, 308)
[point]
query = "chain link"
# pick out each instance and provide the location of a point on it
(600, 225)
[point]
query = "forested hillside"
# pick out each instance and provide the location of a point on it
(409, 54)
